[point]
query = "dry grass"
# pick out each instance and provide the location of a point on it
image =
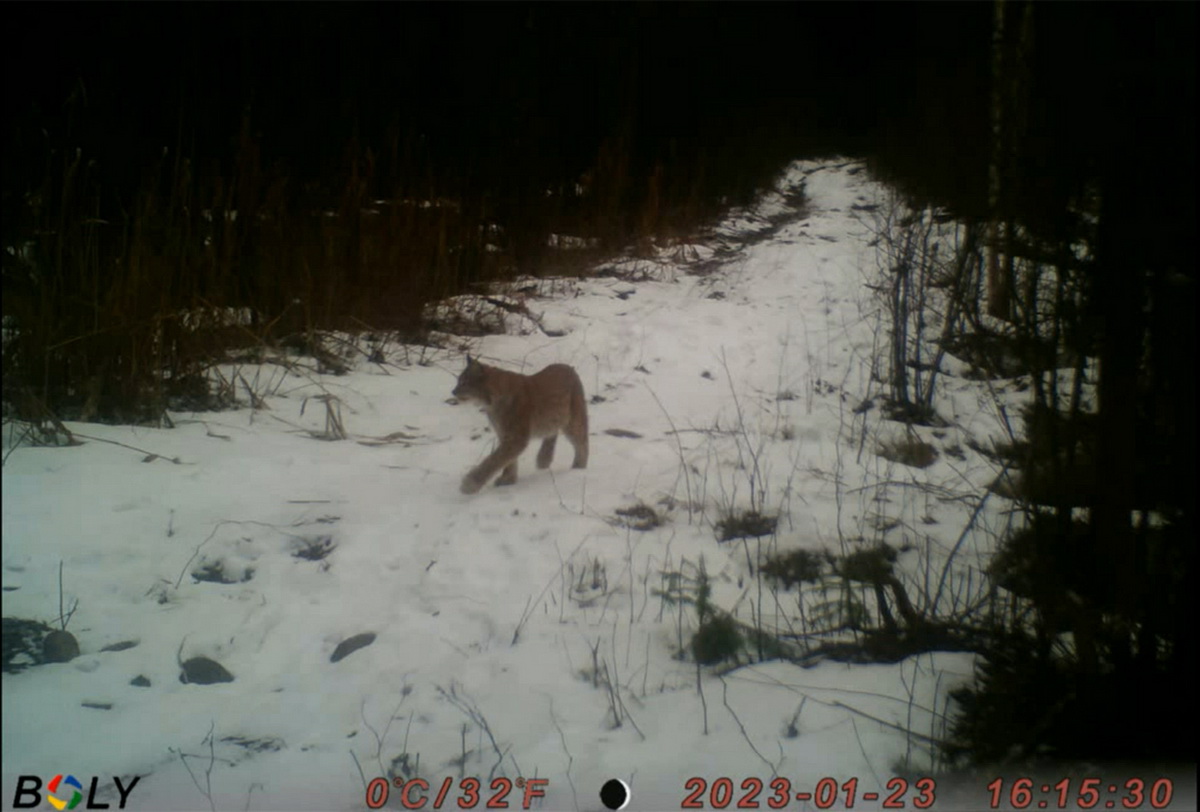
(910, 451)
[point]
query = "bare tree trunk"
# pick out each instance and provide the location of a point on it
(1010, 87)
(1119, 295)
(997, 304)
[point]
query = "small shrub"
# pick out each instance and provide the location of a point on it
(1027, 705)
(315, 548)
(748, 524)
(60, 646)
(795, 567)
(22, 644)
(908, 451)
(913, 414)
(258, 744)
(717, 639)
(992, 355)
(215, 572)
(638, 517)
(872, 565)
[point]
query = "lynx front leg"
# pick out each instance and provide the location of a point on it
(503, 457)
(509, 475)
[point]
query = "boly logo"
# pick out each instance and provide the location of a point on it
(65, 792)
(71, 784)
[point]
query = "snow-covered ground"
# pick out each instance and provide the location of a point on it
(500, 618)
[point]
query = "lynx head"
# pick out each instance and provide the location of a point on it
(472, 383)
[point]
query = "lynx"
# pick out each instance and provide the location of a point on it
(520, 408)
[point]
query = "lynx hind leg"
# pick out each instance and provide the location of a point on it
(509, 475)
(546, 452)
(580, 442)
(577, 428)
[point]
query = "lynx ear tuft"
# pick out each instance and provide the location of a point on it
(469, 361)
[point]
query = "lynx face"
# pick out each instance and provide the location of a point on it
(521, 407)
(471, 383)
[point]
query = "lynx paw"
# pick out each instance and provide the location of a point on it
(470, 485)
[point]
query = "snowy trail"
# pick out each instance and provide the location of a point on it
(446, 581)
